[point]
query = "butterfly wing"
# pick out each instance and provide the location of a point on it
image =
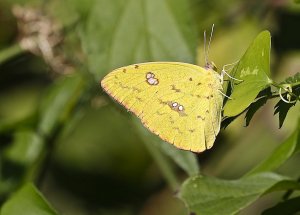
(179, 102)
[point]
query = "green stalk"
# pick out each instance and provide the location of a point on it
(278, 86)
(10, 52)
(159, 158)
(163, 164)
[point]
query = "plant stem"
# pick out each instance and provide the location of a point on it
(10, 52)
(163, 164)
(160, 159)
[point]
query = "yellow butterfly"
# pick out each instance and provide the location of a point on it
(179, 102)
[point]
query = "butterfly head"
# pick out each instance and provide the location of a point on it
(211, 65)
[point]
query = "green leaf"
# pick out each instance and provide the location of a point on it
(289, 207)
(254, 69)
(294, 80)
(76, 13)
(26, 148)
(281, 154)
(28, 200)
(186, 160)
(20, 160)
(152, 144)
(226, 121)
(282, 108)
(59, 102)
(210, 196)
(263, 97)
(119, 33)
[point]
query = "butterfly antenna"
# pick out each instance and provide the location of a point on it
(205, 52)
(211, 34)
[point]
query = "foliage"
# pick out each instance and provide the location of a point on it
(252, 72)
(57, 127)
(228, 197)
(28, 201)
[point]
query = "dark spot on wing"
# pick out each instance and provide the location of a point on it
(123, 86)
(171, 120)
(175, 89)
(162, 102)
(176, 128)
(136, 89)
(200, 117)
(159, 113)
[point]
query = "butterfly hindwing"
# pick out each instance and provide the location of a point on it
(179, 102)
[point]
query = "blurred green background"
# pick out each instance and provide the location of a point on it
(84, 152)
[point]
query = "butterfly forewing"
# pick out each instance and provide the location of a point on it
(179, 102)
